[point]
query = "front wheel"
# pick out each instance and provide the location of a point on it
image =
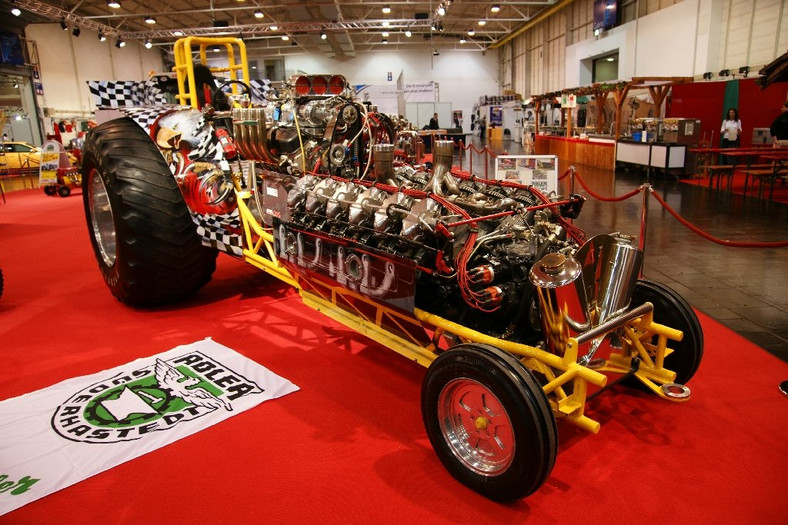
(489, 421)
(142, 233)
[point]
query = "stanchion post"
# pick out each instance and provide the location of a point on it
(571, 180)
(646, 192)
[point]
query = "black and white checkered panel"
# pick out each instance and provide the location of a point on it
(113, 93)
(213, 229)
(260, 87)
(209, 148)
(152, 95)
(146, 116)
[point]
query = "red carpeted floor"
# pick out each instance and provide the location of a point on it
(780, 193)
(350, 447)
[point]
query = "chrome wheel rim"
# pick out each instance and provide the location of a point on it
(476, 427)
(101, 218)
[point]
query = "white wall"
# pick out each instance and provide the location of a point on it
(660, 44)
(68, 62)
(463, 76)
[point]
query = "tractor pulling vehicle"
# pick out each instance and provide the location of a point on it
(487, 283)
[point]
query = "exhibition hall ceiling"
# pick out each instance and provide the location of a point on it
(295, 26)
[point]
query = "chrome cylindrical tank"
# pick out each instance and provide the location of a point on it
(559, 286)
(611, 265)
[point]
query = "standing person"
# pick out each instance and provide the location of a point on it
(779, 128)
(731, 129)
(434, 122)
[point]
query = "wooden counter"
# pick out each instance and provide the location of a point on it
(577, 151)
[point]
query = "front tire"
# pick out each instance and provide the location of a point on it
(489, 421)
(142, 234)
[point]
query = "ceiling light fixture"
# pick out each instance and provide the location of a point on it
(114, 4)
(385, 34)
(177, 32)
(63, 25)
(386, 9)
(150, 20)
(408, 33)
(482, 22)
(274, 28)
(610, 59)
(495, 8)
(259, 14)
(16, 11)
(120, 43)
(285, 37)
(101, 37)
(441, 10)
(471, 32)
(148, 44)
(385, 41)
(462, 40)
(323, 35)
(385, 23)
(76, 31)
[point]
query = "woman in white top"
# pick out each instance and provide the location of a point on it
(731, 129)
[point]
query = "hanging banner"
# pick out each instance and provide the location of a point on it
(58, 436)
(539, 171)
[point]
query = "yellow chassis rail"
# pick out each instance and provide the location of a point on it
(558, 372)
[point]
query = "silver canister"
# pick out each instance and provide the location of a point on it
(559, 286)
(611, 264)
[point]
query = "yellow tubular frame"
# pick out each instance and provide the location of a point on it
(184, 64)
(557, 371)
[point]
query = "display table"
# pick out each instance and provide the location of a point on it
(495, 133)
(662, 155)
(589, 152)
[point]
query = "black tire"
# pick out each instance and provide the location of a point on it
(672, 310)
(50, 190)
(496, 390)
(143, 237)
(64, 191)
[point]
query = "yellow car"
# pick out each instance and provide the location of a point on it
(23, 156)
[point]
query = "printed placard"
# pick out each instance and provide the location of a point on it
(539, 171)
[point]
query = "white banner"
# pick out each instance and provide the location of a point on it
(60, 435)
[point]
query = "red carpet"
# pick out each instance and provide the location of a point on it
(737, 186)
(350, 447)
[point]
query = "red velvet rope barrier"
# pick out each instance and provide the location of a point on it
(707, 236)
(605, 199)
(473, 148)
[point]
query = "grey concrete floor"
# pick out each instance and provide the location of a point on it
(745, 289)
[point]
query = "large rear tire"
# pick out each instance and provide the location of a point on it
(143, 236)
(489, 421)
